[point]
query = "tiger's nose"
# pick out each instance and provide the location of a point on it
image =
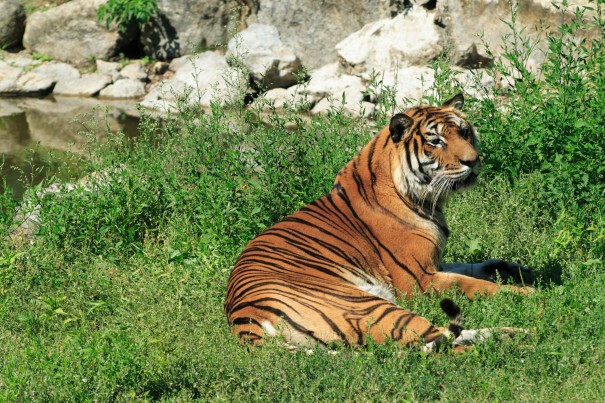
(471, 163)
(470, 159)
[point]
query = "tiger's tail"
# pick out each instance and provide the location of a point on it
(452, 332)
(452, 310)
(466, 338)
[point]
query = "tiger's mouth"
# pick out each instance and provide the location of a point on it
(465, 182)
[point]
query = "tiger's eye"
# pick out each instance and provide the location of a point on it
(464, 132)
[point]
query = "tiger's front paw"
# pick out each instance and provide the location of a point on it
(496, 269)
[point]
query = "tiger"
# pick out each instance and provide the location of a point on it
(331, 272)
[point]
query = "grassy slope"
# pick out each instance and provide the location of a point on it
(96, 317)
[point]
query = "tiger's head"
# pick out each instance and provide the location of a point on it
(435, 151)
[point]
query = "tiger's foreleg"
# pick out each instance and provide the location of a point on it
(443, 281)
(491, 270)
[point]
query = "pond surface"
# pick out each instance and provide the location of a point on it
(34, 131)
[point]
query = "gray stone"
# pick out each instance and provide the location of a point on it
(108, 69)
(8, 108)
(124, 88)
(58, 71)
(312, 28)
(22, 60)
(15, 82)
(330, 81)
(271, 63)
(33, 83)
(8, 78)
(12, 23)
(390, 44)
(186, 26)
(86, 85)
(134, 71)
(71, 32)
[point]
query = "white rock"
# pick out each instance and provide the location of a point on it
(330, 81)
(13, 81)
(201, 79)
(389, 44)
(86, 85)
(312, 28)
(58, 71)
(33, 83)
(471, 26)
(408, 85)
(271, 63)
(108, 68)
(134, 71)
(160, 67)
(8, 77)
(124, 88)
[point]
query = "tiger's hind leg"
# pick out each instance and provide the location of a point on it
(344, 314)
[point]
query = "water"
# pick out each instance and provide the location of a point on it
(33, 131)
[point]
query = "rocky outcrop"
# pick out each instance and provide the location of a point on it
(313, 28)
(260, 49)
(410, 39)
(183, 27)
(12, 23)
(71, 32)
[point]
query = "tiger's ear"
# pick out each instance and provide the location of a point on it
(400, 124)
(456, 102)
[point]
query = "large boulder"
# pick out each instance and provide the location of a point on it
(183, 27)
(271, 64)
(410, 39)
(197, 80)
(336, 90)
(71, 32)
(12, 23)
(312, 28)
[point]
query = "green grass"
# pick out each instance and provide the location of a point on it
(122, 296)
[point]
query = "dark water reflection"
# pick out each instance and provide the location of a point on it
(31, 129)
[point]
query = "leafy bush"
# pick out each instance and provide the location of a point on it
(551, 120)
(124, 12)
